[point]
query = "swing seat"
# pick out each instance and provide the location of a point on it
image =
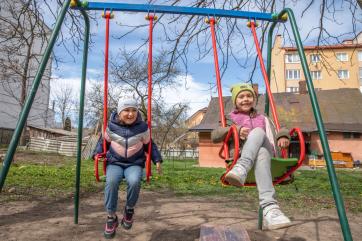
(281, 168)
(100, 158)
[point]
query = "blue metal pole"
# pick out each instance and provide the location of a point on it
(177, 10)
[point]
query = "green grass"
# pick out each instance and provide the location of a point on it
(310, 191)
(50, 179)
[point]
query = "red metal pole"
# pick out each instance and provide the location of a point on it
(265, 75)
(149, 106)
(217, 72)
(107, 16)
(218, 82)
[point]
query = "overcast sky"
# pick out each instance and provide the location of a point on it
(195, 87)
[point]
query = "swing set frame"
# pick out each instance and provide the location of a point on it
(275, 18)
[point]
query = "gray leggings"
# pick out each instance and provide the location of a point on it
(258, 150)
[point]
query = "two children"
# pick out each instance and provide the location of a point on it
(258, 143)
(128, 137)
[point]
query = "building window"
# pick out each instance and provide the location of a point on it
(356, 135)
(292, 58)
(347, 135)
(343, 74)
(293, 74)
(293, 89)
(342, 56)
(360, 76)
(315, 58)
(359, 55)
(316, 74)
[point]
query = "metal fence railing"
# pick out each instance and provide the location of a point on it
(173, 154)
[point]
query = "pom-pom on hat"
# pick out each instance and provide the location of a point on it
(124, 103)
(237, 88)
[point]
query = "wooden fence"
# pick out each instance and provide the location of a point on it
(5, 135)
(66, 145)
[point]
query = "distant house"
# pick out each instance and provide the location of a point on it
(189, 140)
(341, 112)
(48, 133)
(12, 62)
(195, 118)
(331, 66)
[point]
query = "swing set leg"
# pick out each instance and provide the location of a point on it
(260, 218)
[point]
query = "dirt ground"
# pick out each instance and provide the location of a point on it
(159, 216)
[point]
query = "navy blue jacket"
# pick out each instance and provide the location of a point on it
(127, 144)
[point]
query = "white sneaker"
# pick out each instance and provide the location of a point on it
(275, 219)
(236, 176)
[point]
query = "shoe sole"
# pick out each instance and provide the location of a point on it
(126, 226)
(109, 235)
(277, 226)
(233, 180)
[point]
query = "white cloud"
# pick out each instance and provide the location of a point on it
(189, 91)
(74, 83)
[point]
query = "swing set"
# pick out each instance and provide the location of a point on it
(282, 167)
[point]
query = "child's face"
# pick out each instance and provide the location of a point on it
(244, 101)
(128, 115)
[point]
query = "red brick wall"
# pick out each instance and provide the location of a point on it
(209, 152)
(338, 143)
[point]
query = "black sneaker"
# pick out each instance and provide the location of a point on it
(127, 219)
(111, 226)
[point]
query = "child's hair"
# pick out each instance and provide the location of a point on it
(124, 103)
(237, 88)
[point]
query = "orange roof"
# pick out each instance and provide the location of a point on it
(335, 46)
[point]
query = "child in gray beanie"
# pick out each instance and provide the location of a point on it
(127, 137)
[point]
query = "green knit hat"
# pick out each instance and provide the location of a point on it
(237, 88)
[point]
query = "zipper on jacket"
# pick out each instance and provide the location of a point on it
(251, 122)
(125, 154)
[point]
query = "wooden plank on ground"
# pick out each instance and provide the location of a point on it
(215, 232)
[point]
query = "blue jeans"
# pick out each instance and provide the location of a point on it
(115, 174)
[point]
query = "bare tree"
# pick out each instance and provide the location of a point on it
(63, 98)
(95, 103)
(182, 32)
(130, 72)
(129, 77)
(169, 123)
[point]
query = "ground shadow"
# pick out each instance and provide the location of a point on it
(176, 235)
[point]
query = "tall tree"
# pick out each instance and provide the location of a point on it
(129, 78)
(63, 100)
(130, 72)
(182, 32)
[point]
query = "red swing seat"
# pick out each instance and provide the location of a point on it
(282, 168)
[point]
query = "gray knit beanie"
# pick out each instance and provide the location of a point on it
(124, 103)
